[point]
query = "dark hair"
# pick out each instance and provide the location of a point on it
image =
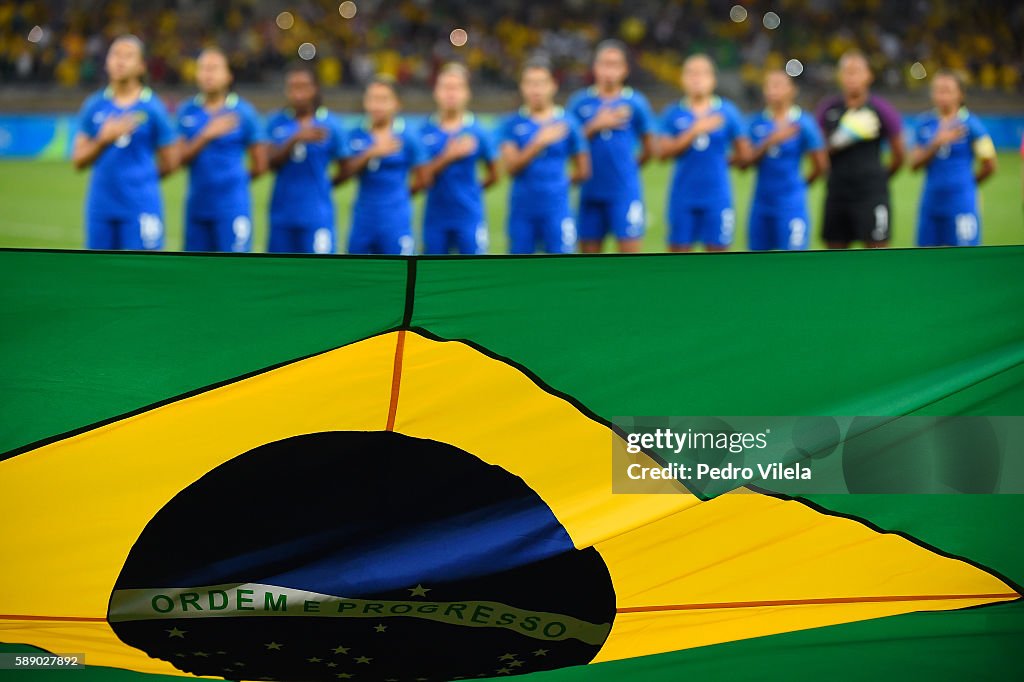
(454, 67)
(855, 53)
(214, 49)
(702, 55)
(611, 44)
(537, 62)
(384, 80)
(301, 67)
(133, 39)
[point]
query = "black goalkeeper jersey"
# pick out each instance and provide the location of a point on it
(855, 139)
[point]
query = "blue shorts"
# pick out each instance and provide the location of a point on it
(553, 230)
(224, 234)
(958, 226)
(298, 238)
(711, 225)
(144, 232)
(622, 216)
(382, 233)
(441, 237)
(784, 228)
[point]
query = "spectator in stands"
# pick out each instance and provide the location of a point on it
(409, 38)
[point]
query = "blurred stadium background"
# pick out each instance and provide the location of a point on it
(51, 57)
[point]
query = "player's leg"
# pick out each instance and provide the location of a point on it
(482, 237)
(558, 231)
(394, 234)
(793, 228)
(521, 236)
(592, 224)
(682, 223)
(233, 234)
(101, 232)
(280, 239)
(198, 233)
(435, 234)
(928, 226)
(361, 234)
(472, 238)
(837, 224)
(717, 226)
(145, 233)
(392, 231)
(319, 240)
(628, 222)
(309, 239)
(436, 239)
(760, 228)
(874, 222)
(967, 226)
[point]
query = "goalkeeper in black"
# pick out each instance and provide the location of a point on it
(856, 124)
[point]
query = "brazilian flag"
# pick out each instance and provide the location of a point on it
(321, 469)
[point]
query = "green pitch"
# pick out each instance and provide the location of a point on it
(41, 206)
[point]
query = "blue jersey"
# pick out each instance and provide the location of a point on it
(125, 179)
(779, 181)
(701, 175)
(218, 176)
(456, 194)
(384, 182)
(544, 181)
(302, 189)
(613, 152)
(950, 176)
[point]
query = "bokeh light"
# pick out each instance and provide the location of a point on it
(738, 13)
(459, 37)
(918, 71)
(35, 35)
(307, 51)
(347, 9)
(794, 67)
(771, 21)
(285, 21)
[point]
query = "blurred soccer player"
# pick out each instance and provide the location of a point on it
(782, 135)
(856, 123)
(949, 140)
(617, 121)
(456, 144)
(384, 154)
(536, 144)
(699, 132)
(219, 128)
(305, 139)
(125, 134)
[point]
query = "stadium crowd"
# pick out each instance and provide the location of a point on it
(606, 133)
(409, 39)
